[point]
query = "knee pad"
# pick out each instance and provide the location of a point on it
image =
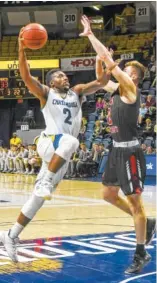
(31, 207)
(67, 146)
(42, 172)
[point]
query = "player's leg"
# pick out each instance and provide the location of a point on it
(67, 145)
(111, 195)
(10, 238)
(61, 150)
(111, 190)
(10, 164)
(31, 207)
(17, 165)
(131, 174)
(21, 164)
(14, 164)
(26, 166)
(111, 185)
(29, 210)
(73, 168)
(31, 163)
(5, 161)
(1, 164)
(141, 257)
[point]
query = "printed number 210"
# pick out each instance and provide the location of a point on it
(67, 112)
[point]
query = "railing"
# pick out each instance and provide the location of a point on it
(110, 21)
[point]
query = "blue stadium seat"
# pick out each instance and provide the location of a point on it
(149, 141)
(90, 125)
(88, 134)
(92, 117)
(106, 142)
(88, 143)
(152, 91)
(145, 87)
(143, 99)
(97, 140)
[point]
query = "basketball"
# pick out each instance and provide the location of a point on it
(35, 36)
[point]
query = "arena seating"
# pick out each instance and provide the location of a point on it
(75, 47)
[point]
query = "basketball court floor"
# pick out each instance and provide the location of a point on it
(75, 237)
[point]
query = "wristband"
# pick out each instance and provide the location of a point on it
(112, 67)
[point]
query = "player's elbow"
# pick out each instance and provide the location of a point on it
(103, 81)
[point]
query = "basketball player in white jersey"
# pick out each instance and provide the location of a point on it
(61, 107)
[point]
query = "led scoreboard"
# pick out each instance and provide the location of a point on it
(11, 83)
(13, 87)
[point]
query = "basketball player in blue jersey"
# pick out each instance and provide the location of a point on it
(126, 166)
(61, 107)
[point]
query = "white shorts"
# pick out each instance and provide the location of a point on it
(67, 145)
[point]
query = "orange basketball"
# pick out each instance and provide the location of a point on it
(35, 36)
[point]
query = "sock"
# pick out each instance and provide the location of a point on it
(140, 249)
(49, 175)
(15, 230)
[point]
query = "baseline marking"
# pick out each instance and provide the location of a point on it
(138, 276)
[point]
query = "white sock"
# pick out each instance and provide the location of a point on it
(49, 175)
(15, 230)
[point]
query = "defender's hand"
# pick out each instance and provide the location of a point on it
(86, 25)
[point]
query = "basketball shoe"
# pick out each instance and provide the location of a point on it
(10, 245)
(138, 263)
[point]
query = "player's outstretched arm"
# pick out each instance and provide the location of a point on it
(92, 87)
(35, 87)
(123, 78)
(100, 72)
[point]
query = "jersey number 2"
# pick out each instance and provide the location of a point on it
(67, 112)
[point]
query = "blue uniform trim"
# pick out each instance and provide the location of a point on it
(56, 141)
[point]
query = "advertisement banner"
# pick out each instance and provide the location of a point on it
(33, 64)
(150, 165)
(78, 64)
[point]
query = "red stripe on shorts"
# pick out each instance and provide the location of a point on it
(133, 165)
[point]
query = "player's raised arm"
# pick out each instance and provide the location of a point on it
(104, 54)
(92, 87)
(35, 87)
(100, 72)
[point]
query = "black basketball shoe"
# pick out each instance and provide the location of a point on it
(138, 263)
(150, 230)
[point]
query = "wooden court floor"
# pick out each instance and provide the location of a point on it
(76, 208)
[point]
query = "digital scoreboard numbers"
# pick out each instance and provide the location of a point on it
(13, 87)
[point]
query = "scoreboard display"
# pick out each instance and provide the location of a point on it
(13, 87)
(11, 84)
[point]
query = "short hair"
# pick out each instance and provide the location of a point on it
(148, 120)
(139, 67)
(49, 76)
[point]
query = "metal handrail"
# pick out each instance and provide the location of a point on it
(109, 21)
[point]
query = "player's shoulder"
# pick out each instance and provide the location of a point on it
(71, 92)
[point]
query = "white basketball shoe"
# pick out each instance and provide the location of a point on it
(10, 245)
